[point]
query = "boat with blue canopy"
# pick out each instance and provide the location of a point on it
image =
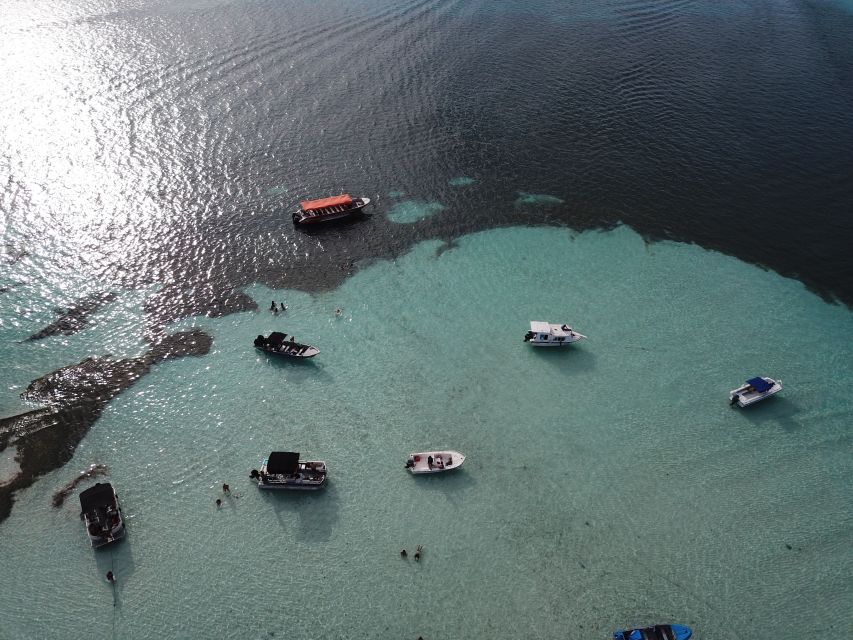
(754, 390)
(656, 632)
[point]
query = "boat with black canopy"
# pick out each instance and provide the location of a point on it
(278, 344)
(656, 632)
(284, 470)
(101, 514)
(324, 209)
(754, 390)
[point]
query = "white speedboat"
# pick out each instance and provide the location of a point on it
(434, 461)
(754, 390)
(101, 514)
(284, 470)
(544, 334)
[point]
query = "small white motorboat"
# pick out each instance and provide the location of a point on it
(754, 390)
(434, 461)
(544, 334)
(283, 470)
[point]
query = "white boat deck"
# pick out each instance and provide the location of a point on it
(747, 394)
(434, 461)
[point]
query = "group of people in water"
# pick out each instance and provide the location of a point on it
(283, 307)
(227, 491)
(418, 551)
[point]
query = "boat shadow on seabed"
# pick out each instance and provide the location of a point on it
(117, 558)
(778, 410)
(317, 512)
(570, 360)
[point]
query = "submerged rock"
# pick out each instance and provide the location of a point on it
(45, 439)
(76, 317)
(92, 472)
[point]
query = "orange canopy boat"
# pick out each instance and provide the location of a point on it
(342, 206)
(312, 205)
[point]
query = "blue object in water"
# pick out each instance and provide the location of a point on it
(759, 384)
(657, 632)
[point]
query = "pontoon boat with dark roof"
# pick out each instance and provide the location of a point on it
(657, 632)
(284, 470)
(278, 344)
(342, 206)
(754, 390)
(102, 514)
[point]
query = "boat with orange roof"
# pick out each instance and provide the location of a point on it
(324, 209)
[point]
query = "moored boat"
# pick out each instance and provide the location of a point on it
(101, 514)
(754, 390)
(544, 334)
(278, 344)
(334, 208)
(284, 470)
(434, 461)
(656, 632)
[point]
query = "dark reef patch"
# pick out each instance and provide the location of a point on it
(92, 472)
(45, 439)
(75, 317)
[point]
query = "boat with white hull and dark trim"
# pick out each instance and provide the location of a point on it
(656, 632)
(101, 514)
(754, 390)
(278, 345)
(324, 209)
(434, 461)
(283, 470)
(544, 334)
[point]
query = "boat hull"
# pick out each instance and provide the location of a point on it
(309, 352)
(545, 334)
(302, 217)
(419, 463)
(657, 632)
(744, 397)
(549, 343)
(309, 475)
(291, 486)
(102, 516)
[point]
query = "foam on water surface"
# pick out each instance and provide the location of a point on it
(532, 199)
(606, 485)
(409, 211)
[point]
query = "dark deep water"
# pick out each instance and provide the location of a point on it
(166, 142)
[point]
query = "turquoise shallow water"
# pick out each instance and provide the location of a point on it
(605, 486)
